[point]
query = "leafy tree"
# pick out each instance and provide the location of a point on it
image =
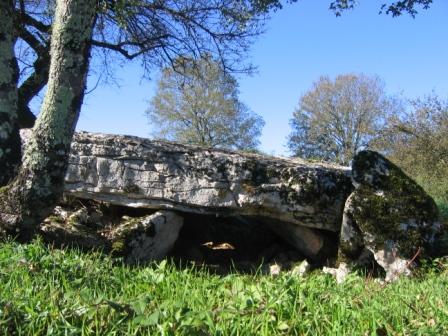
(153, 32)
(33, 193)
(201, 106)
(394, 8)
(159, 30)
(417, 141)
(156, 31)
(337, 118)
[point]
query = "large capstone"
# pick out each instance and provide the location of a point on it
(298, 198)
(374, 209)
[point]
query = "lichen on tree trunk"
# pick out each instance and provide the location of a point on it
(31, 87)
(9, 132)
(26, 201)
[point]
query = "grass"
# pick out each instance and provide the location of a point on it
(46, 291)
(443, 208)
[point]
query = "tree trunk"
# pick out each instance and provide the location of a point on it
(30, 88)
(9, 133)
(26, 201)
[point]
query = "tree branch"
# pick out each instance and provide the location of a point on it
(30, 21)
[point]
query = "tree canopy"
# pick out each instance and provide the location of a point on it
(394, 8)
(154, 32)
(338, 117)
(201, 106)
(417, 141)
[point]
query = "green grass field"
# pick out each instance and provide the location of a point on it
(46, 291)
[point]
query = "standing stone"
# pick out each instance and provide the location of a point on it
(388, 214)
(147, 238)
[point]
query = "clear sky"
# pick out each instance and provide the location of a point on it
(302, 42)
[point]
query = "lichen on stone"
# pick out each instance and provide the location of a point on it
(387, 209)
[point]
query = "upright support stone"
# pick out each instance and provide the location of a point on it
(388, 214)
(146, 238)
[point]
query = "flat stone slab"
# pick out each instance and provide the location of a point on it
(374, 206)
(137, 172)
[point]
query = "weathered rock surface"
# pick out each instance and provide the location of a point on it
(339, 273)
(136, 239)
(145, 238)
(137, 172)
(79, 228)
(377, 211)
(388, 214)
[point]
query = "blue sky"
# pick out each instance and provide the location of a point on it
(302, 42)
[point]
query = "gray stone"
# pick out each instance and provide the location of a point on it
(376, 208)
(147, 238)
(275, 269)
(389, 259)
(339, 273)
(294, 195)
(301, 269)
(387, 214)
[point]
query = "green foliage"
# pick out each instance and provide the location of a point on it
(338, 117)
(199, 104)
(394, 8)
(443, 208)
(417, 142)
(49, 291)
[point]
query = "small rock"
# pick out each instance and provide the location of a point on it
(301, 269)
(339, 273)
(393, 265)
(275, 269)
(59, 211)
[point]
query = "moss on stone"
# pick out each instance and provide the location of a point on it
(131, 189)
(118, 248)
(4, 189)
(261, 172)
(74, 220)
(390, 206)
(399, 217)
(126, 232)
(55, 219)
(258, 172)
(290, 195)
